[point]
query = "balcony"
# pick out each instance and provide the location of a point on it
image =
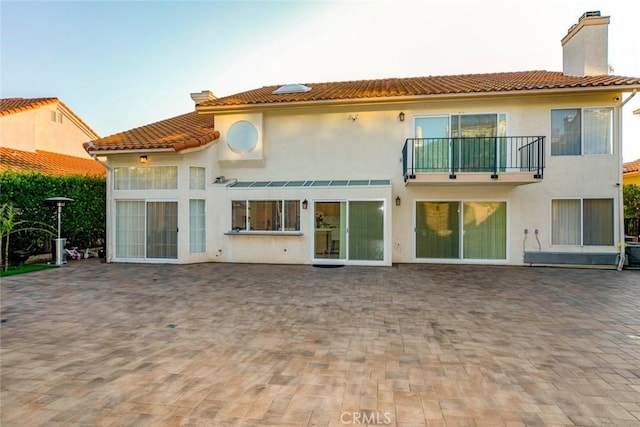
(510, 160)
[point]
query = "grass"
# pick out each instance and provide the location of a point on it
(25, 269)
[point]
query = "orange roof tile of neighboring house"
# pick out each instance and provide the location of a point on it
(177, 133)
(423, 86)
(631, 167)
(48, 163)
(17, 105)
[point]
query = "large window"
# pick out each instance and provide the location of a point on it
(197, 229)
(582, 222)
(265, 215)
(577, 131)
(146, 178)
(461, 230)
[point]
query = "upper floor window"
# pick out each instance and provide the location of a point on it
(265, 215)
(196, 178)
(56, 116)
(146, 178)
(578, 131)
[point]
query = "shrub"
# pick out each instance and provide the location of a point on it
(83, 220)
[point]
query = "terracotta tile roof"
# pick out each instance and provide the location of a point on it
(48, 163)
(423, 86)
(177, 133)
(17, 105)
(631, 167)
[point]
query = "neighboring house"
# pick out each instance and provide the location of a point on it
(503, 168)
(631, 172)
(44, 135)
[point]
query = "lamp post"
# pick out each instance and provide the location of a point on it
(58, 249)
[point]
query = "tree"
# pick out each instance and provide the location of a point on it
(631, 200)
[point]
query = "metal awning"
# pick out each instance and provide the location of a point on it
(312, 183)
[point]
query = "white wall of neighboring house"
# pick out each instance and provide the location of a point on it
(326, 144)
(36, 129)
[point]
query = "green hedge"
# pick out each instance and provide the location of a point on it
(83, 220)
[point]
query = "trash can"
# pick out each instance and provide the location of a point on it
(632, 252)
(58, 254)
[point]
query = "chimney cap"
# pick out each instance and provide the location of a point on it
(590, 14)
(200, 97)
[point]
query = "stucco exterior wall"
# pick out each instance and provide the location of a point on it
(35, 130)
(327, 144)
(631, 178)
(19, 130)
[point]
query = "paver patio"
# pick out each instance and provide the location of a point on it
(249, 345)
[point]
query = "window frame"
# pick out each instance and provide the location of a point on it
(197, 226)
(581, 112)
(197, 182)
(282, 221)
(582, 221)
(145, 178)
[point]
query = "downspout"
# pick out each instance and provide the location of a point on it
(107, 253)
(620, 184)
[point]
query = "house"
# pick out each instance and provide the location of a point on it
(503, 168)
(631, 172)
(44, 135)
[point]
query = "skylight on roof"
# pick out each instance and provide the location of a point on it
(291, 88)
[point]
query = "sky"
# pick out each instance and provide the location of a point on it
(124, 64)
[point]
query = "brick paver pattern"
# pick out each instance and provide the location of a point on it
(261, 345)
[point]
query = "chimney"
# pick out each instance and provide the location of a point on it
(200, 97)
(584, 48)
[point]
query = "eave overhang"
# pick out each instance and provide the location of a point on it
(176, 147)
(412, 99)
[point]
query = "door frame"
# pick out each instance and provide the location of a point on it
(346, 260)
(461, 259)
(144, 259)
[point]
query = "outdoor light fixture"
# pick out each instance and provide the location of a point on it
(143, 159)
(398, 201)
(305, 204)
(401, 116)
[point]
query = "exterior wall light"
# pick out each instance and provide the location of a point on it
(401, 116)
(398, 201)
(143, 159)
(305, 204)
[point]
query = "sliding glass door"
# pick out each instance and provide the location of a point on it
(461, 230)
(162, 230)
(349, 230)
(146, 230)
(461, 143)
(432, 146)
